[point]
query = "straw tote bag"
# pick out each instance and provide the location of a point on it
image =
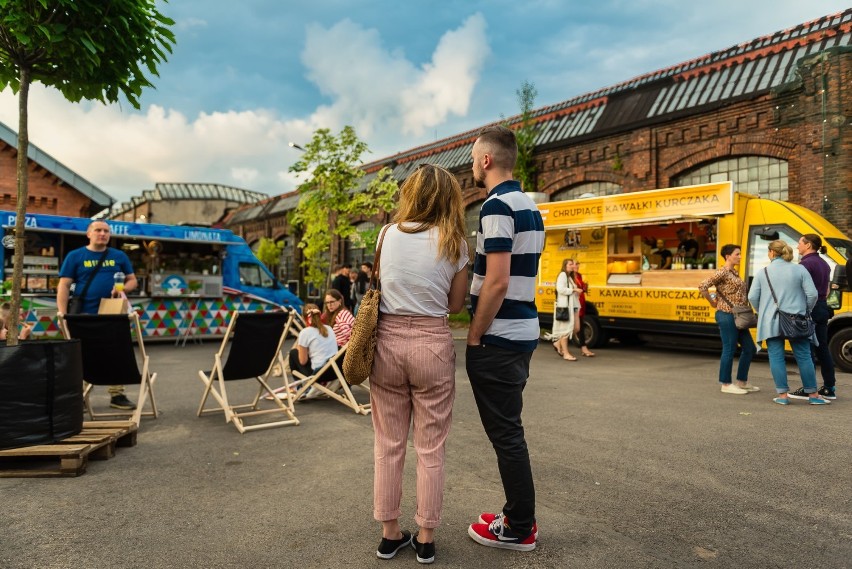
(358, 360)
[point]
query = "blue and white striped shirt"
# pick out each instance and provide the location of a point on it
(509, 221)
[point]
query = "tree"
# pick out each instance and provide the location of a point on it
(525, 135)
(334, 196)
(269, 252)
(87, 49)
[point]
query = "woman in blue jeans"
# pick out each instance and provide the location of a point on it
(730, 291)
(795, 293)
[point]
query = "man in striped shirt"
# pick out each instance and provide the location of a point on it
(504, 332)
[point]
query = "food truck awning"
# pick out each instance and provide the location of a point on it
(688, 203)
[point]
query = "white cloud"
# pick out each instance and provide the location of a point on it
(379, 90)
(376, 90)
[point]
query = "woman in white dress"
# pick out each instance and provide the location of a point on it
(567, 296)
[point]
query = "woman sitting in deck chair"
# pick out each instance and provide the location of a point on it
(315, 346)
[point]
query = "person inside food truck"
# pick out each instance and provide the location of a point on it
(664, 254)
(688, 247)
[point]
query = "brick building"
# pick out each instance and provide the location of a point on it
(53, 187)
(772, 115)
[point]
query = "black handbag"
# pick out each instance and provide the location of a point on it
(563, 313)
(793, 326)
(75, 303)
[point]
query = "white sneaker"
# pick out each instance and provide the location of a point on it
(731, 388)
(311, 393)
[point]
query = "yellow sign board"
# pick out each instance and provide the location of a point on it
(671, 203)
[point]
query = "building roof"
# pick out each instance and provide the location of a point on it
(719, 78)
(64, 173)
(189, 191)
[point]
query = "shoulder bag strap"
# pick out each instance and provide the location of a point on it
(95, 272)
(772, 290)
(375, 283)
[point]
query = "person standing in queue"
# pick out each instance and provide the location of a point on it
(809, 249)
(730, 291)
(504, 332)
(794, 289)
(581, 312)
(91, 270)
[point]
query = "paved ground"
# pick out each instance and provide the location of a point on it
(639, 462)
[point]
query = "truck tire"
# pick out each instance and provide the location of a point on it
(593, 333)
(840, 347)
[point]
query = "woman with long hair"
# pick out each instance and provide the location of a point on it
(792, 288)
(338, 316)
(730, 291)
(315, 345)
(581, 312)
(423, 274)
(567, 297)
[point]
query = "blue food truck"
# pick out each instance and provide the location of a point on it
(190, 278)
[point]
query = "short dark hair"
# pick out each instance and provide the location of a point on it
(728, 249)
(814, 239)
(367, 264)
(501, 145)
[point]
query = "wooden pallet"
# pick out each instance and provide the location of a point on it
(68, 457)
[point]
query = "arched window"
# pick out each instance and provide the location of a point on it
(586, 190)
(356, 252)
(757, 175)
(287, 269)
(471, 223)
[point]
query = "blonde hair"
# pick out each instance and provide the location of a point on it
(431, 197)
(781, 249)
(313, 317)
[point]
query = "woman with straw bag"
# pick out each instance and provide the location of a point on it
(422, 270)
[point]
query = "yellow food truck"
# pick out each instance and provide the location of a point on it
(641, 281)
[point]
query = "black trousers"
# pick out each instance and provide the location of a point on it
(498, 377)
(821, 314)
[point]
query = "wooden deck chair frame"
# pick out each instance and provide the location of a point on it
(348, 399)
(215, 380)
(147, 379)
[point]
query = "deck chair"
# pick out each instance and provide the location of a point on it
(109, 359)
(256, 339)
(330, 371)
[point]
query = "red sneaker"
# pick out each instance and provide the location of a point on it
(499, 534)
(487, 518)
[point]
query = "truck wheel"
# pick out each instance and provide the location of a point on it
(840, 347)
(592, 332)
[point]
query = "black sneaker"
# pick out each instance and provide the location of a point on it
(425, 551)
(388, 547)
(122, 402)
(827, 392)
(799, 394)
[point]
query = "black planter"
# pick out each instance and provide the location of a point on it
(41, 392)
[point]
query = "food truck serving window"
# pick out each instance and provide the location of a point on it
(251, 275)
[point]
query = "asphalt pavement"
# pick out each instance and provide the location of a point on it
(638, 458)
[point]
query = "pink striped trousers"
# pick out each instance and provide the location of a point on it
(413, 378)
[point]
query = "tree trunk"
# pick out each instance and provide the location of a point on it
(21, 209)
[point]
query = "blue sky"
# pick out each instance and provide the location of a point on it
(248, 77)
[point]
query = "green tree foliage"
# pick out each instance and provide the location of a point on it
(525, 134)
(87, 49)
(269, 252)
(334, 196)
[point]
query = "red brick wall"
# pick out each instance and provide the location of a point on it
(46, 194)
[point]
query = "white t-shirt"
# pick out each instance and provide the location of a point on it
(414, 281)
(320, 349)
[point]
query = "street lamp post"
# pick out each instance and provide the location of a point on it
(296, 146)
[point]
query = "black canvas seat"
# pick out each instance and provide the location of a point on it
(255, 340)
(109, 358)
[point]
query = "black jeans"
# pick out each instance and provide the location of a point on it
(821, 314)
(498, 377)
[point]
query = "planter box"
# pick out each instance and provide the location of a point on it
(41, 392)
